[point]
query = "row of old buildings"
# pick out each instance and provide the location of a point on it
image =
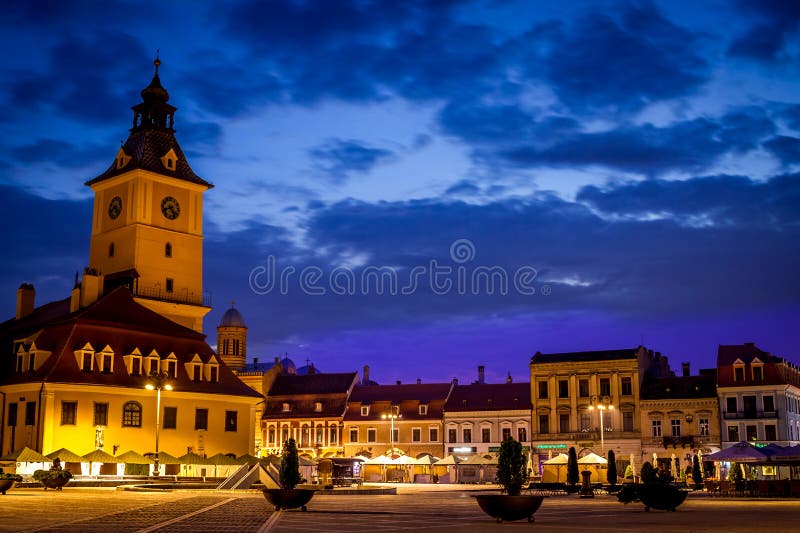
(122, 360)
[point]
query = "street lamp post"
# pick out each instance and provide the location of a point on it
(601, 408)
(158, 381)
(392, 416)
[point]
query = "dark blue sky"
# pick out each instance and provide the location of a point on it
(642, 157)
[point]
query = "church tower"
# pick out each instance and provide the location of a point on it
(232, 339)
(147, 224)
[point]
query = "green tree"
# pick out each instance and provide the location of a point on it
(735, 473)
(629, 472)
(611, 474)
(573, 476)
(512, 470)
(290, 466)
(648, 473)
(697, 475)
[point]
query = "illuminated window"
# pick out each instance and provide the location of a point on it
(69, 413)
(100, 414)
(702, 426)
(423, 409)
(655, 428)
(170, 418)
(364, 410)
(675, 424)
(231, 420)
(132, 415)
(286, 407)
(201, 419)
(522, 434)
(317, 407)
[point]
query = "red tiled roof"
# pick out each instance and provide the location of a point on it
(489, 397)
(305, 407)
(118, 321)
(315, 384)
(776, 370)
(424, 392)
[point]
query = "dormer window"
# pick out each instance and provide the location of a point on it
(196, 373)
(105, 360)
(86, 364)
(738, 370)
(286, 407)
(423, 409)
(133, 362)
(136, 366)
(20, 363)
(169, 160)
(213, 374)
(122, 158)
(152, 362)
(317, 407)
(365, 410)
(757, 369)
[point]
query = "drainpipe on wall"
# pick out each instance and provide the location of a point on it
(39, 421)
(3, 426)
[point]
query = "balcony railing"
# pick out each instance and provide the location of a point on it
(586, 435)
(740, 415)
(178, 297)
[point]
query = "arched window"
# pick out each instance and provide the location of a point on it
(132, 415)
(111, 250)
(168, 250)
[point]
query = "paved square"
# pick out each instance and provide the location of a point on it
(412, 509)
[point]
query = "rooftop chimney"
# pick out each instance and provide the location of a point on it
(91, 286)
(25, 298)
(455, 381)
(419, 381)
(481, 369)
(685, 367)
(365, 379)
(398, 382)
(508, 378)
(255, 363)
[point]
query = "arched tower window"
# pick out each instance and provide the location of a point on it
(111, 250)
(168, 250)
(132, 415)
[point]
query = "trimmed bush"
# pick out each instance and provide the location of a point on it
(573, 477)
(290, 466)
(512, 471)
(611, 474)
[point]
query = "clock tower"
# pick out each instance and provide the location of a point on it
(147, 223)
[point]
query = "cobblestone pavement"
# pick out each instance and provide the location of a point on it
(109, 511)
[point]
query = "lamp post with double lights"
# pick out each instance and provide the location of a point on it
(392, 416)
(158, 381)
(601, 408)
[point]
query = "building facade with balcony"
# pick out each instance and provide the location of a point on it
(759, 396)
(400, 419)
(679, 417)
(571, 392)
(479, 416)
(308, 408)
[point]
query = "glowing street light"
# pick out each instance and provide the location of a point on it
(601, 408)
(158, 381)
(392, 416)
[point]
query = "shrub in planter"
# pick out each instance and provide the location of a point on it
(611, 473)
(656, 492)
(573, 476)
(289, 496)
(628, 493)
(7, 481)
(512, 474)
(52, 479)
(648, 473)
(697, 475)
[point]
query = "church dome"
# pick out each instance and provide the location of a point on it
(232, 318)
(288, 366)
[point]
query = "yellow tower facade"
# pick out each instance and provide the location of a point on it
(147, 224)
(232, 339)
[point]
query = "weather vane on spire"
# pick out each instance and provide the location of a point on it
(157, 61)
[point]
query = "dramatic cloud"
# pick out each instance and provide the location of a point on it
(338, 159)
(777, 21)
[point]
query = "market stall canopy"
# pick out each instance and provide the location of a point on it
(404, 460)
(427, 460)
(132, 458)
(26, 455)
(447, 461)
(380, 460)
(787, 453)
(480, 460)
(99, 456)
(248, 459)
(164, 458)
(191, 458)
(221, 460)
(65, 456)
(560, 459)
(305, 461)
(741, 452)
(592, 459)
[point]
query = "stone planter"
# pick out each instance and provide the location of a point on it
(54, 483)
(660, 496)
(503, 507)
(288, 498)
(6, 484)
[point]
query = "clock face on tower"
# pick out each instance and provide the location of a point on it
(115, 207)
(170, 207)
